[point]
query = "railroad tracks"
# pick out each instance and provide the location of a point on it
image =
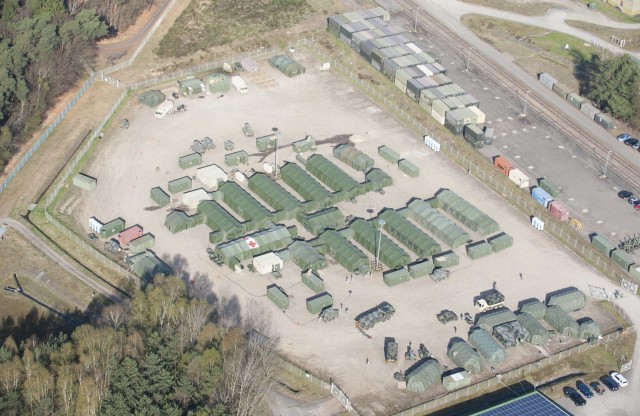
(576, 133)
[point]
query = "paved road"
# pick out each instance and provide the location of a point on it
(103, 289)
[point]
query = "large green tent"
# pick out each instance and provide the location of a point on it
(464, 356)
(304, 184)
(437, 223)
(408, 234)
(487, 346)
(272, 239)
(466, 213)
(569, 299)
(491, 319)
(349, 256)
(305, 256)
(539, 334)
(424, 375)
(376, 243)
(286, 65)
(177, 221)
(562, 322)
(219, 219)
(317, 222)
(274, 195)
(244, 204)
(331, 175)
(353, 157)
(151, 98)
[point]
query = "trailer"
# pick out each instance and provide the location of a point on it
(164, 109)
(239, 84)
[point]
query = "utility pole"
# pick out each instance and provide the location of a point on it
(606, 163)
(415, 21)
(468, 59)
(526, 102)
(381, 223)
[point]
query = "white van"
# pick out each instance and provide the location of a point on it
(164, 109)
(239, 84)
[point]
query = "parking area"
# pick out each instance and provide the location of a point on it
(609, 403)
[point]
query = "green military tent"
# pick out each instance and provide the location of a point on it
(468, 214)
(424, 375)
(349, 256)
(491, 319)
(589, 329)
(487, 346)
(286, 65)
(219, 219)
(303, 183)
(539, 334)
(353, 157)
(438, 224)
(151, 98)
(569, 299)
(535, 308)
(562, 322)
(331, 175)
(275, 195)
(464, 356)
(245, 205)
(408, 234)
(233, 252)
(305, 256)
(317, 222)
(375, 242)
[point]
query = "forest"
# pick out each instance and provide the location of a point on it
(46, 47)
(164, 353)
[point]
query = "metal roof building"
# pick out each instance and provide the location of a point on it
(274, 195)
(466, 213)
(316, 223)
(331, 175)
(440, 225)
(305, 256)
(245, 205)
(530, 404)
(218, 219)
(349, 256)
(408, 234)
(487, 346)
(464, 356)
(235, 251)
(370, 238)
(151, 98)
(286, 65)
(423, 376)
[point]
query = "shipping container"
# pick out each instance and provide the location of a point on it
(409, 168)
(547, 80)
(453, 128)
(236, 158)
(312, 280)
(489, 134)
(334, 23)
(541, 196)
(469, 100)
(575, 100)
(179, 185)
(474, 135)
(463, 116)
(479, 249)
(405, 74)
(421, 268)
(456, 381)
(388, 154)
(317, 303)
(500, 241)
(621, 258)
(589, 110)
(605, 121)
(550, 187)
(519, 178)
(192, 159)
(503, 165)
(454, 102)
(446, 259)
(561, 89)
(602, 244)
(159, 196)
(480, 117)
(140, 244)
(112, 228)
(395, 277)
(439, 110)
(278, 296)
(129, 234)
(634, 271)
(559, 211)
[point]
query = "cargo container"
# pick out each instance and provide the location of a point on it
(179, 185)
(403, 75)
(503, 165)
(278, 296)
(316, 304)
(388, 154)
(129, 234)
(575, 100)
(559, 211)
(192, 159)
(140, 244)
(469, 100)
(312, 280)
(421, 268)
(550, 187)
(453, 128)
(541, 196)
(112, 228)
(602, 244)
(605, 121)
(439, 110)
(446, 259)
(159, 196)
(479, 249)
(474, 135)
(500, 241)
(634, 271)
(480, 117)
(454, 102)
(236, 158)
(489, 134)
(519, 178)
(561, 89)
(380, 56)
(621, 258)
(547, 80)
(463, 116)
(395, 277)
(347, 30)
(409, 168)
(589, 110)
(456, 381)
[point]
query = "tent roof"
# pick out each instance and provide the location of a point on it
(561, 321)
(243, 203)
(408, 234)
(371, 239)
(272, 193)
(277, 236)
(147, 265)
(424, 375)
(536, 309)
(303, 183)
(353, 157)
(379, 177)
(319, 221)
(539, 334)
(437, 223)
(491, 319)
(348, 255)
(176, 218)
(487, 346)
(471, 216)
(334, 177)
(191, 82)
(464, 356)
(218, 218)
(569, 299)
(305, 255)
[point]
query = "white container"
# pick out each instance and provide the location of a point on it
(519, 178)
(164, 109)
(239, 84)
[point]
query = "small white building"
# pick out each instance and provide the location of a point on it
(211, 176)
(192, 198)
(267, 263)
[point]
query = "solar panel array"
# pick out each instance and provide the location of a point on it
(532, 404)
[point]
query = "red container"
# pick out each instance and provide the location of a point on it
(503, 165)
(129, 234)
(559, 211)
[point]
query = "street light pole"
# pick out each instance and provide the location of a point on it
(381, 223)
(415, 22)
(606, 163)
(468, 59)
(526, 101)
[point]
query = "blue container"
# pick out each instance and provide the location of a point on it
(541, 196)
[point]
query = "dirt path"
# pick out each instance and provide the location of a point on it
(284, 405)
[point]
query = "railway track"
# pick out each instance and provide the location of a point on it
(578, 134)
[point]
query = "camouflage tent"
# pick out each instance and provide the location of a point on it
(305, 256)
(511, 334)
(487, 346)
(464, 356)
(371, 239)
(466, 213)
(539, 334)
(569, 299)
(408, 234)
(561, 321)
(534, 308)
(589, 329)
(491, 319)
(349, 256)
(440, 225)
(424, 375)
(377, 179)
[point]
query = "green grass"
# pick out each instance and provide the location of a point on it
(205, 24)
(529, 9)
(611, 11)
(604, 32)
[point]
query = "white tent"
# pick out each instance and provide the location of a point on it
(210, 176)
(267, 263)
(192, 198)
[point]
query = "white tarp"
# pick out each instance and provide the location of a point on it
(192, 198)
(267, 263)
(210, 176)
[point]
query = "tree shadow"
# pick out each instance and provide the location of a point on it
(179, 265)
(584, 69)
(200, 287)
(227, 310)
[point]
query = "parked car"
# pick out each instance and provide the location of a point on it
(176, 96)
(584, 389)
(575, 397)
(609, 382)
(624, 136)
(636, 146)
(625, 194)
(633, 200)
(631, 141)
(468, 318)
(619, 378)
(595, 386)
(92, 236)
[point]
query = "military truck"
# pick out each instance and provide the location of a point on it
(247, 130)
(446, 316)
(492, 300)
(423, 352)
(329, 314)
(439, 274)
(409, 355)
(390, 350)
(379, 313)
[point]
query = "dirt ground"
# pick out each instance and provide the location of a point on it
(130, 162)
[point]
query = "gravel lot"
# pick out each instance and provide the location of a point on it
(324, 105)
